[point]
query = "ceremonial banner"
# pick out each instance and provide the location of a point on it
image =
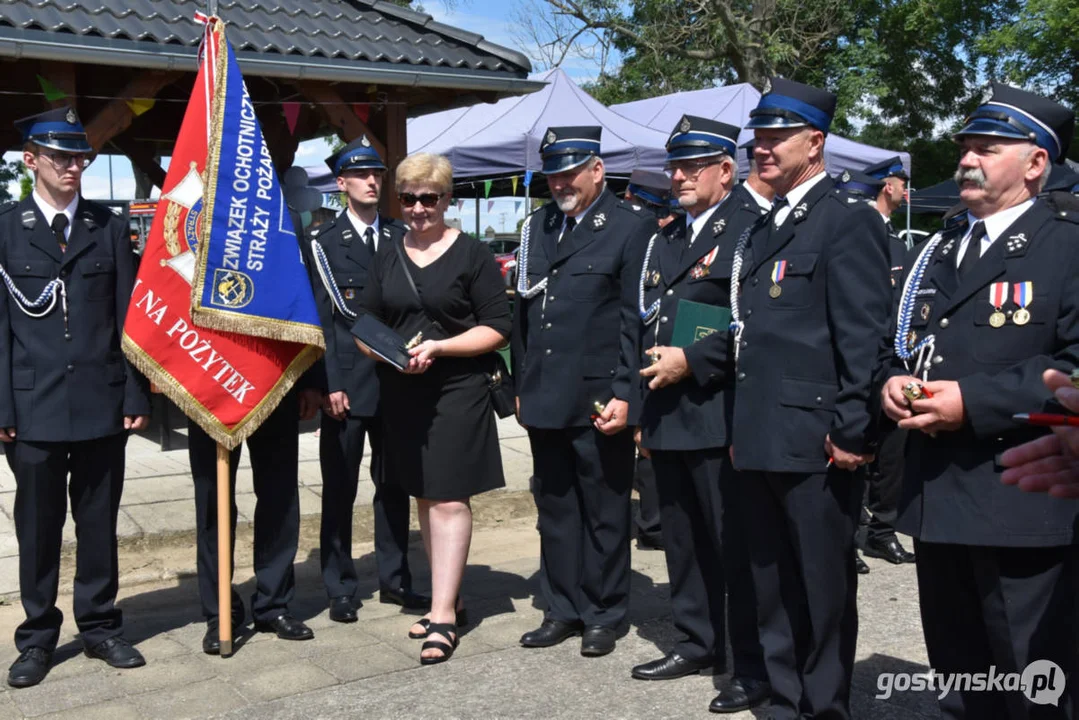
(227, 381)
(248, 275)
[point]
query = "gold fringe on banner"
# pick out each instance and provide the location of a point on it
(287, 330)
(229, 437)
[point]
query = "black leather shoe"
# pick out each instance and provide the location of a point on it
(551, 632)
(888, 549)
(597, 640)
(30, 668)
(859, 564)
(211, 641)
(343, 609)
(404, 597)
(117, 652)
(286, 627)
(741, 694)
(670, 667)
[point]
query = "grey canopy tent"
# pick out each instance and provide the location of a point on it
(731, 104)
(940, 198)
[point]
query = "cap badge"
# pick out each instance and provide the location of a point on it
(71, 117)
(845, 177)
(685, 126)
(365, 142)
(551, 137)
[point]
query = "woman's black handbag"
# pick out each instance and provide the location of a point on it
(499, 380)
(500, 383)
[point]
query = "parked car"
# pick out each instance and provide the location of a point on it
(505, 252)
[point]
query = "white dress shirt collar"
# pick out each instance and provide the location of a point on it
(50, 212)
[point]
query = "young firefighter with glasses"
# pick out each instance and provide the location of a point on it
(67, 395)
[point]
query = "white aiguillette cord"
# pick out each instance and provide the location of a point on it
(46, 300)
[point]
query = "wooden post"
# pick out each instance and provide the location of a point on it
(224, 552)
(394, 117)
(337, 113)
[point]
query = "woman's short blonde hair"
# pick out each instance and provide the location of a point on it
(425, 169)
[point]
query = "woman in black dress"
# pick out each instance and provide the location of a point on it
(440, 440)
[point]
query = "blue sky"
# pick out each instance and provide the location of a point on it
(496, 20)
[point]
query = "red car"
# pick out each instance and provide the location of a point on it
(505, 252)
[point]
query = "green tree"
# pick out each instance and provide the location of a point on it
(1040, 48)
(9, 172)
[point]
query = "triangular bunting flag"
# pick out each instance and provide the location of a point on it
(52, 93)
(514, 181)
(140, 105)
(292, 114)
(487, 188)
(528, 178)
(362, 110)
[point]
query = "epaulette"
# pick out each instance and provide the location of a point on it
(632, 207)
(955, 211)
(94, 214)
(8, 206)
(956, 219)
(1065, 205)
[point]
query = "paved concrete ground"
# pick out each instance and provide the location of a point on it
(371, 669)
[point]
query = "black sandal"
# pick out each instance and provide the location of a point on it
(425, 623)
(448, 630)
(462, 621)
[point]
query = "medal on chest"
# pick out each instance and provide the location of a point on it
(703, 267)
(779, 271)
(998, 293)
(1023, 296)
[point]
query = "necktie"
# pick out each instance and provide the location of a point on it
(974, 249)
(778, 205)
(570, 224)
(369, 239)
(59, 224)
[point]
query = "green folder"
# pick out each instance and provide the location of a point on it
(694, 320)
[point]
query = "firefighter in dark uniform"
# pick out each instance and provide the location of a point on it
(575, 359)
(876, 524)
(652, 191)
(347, 244)
(809, 324)
(67, 395)
(991, 303)
(274, 452)
(684, 294)
(893, 189)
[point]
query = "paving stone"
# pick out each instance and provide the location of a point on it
(159, 674)
(190, 701)
(336, 639)
(164, 517)
(113, 710)
(373, 660)
(160, 488)
(281, 681)
(57, 694)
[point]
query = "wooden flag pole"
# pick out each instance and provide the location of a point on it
(224, 552)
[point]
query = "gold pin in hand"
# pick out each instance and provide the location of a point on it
(416, 340)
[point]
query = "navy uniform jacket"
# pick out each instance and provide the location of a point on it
(897, 250)
(66, 388)
(346, 367)
(952, 491)
(809, 364)
(695, 413)
(577, 342)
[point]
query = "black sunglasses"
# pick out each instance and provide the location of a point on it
(428, 200)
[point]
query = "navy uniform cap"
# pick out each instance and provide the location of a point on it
(791, 104)
(57, 129)
(892, 167)
(748, 146)
(564, 148)
(650, 186)
(697, 137)
(1022, 115)
(357, 155)
(859, 183)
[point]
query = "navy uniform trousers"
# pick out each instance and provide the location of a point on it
(647, 519)
(41, 470)
(340, 454)
(704, 538)
(274, 453)
(582, 474)
(800, 526)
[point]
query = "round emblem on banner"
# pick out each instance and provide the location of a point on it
(686, 125)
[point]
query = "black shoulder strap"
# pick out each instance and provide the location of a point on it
(404, 266)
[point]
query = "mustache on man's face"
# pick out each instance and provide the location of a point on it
(974, 175)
